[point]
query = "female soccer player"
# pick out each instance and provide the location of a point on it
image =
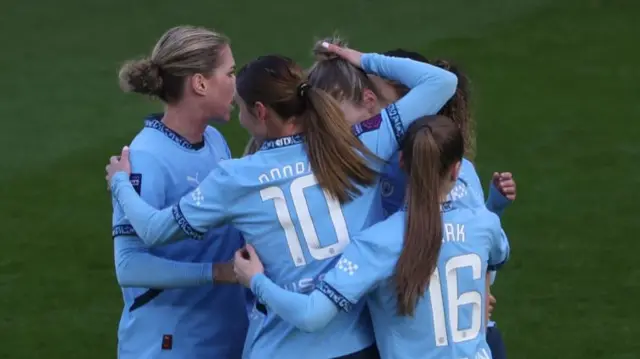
(361, 95)
(424, 267)
(502, 190)
(171, 308)
(301, 197)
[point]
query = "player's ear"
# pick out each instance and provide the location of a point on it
(260, 111)
(198, 84)
(370, 101)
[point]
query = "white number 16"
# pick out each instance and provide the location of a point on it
(473, 298)
(306, 222)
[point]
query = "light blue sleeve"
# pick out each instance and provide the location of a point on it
(500, 249)
(147, 180)
(496, 202)
(356, 272)
(208, 205)
(308, 312)
(135, 265)
(430, 88)
(153, 226)
(362, 265)
(203, 208)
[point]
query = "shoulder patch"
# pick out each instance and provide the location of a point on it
(136, 181)
(369, 125)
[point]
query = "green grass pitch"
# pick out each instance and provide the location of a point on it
(555, 95)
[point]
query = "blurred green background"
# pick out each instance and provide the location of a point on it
(555, 87)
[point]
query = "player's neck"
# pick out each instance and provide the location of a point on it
(185, 124)
(447, 188)
(287, 129)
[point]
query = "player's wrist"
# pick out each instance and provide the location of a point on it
(223, 273)
(118, 177)
(255, 282)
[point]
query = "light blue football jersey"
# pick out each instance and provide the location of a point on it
(393, 184)
(183, 315)
(297, 229)
(467, 191)
(449, 318)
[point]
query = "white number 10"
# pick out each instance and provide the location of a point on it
(306, 223)
(473, 298)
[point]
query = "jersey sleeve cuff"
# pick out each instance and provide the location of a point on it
(339, 300)
(123, 230)
(496, 267)
(183, 223)
(117, 178)
(256, 281)
(497, 201)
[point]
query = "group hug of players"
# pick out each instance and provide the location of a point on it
(356, 218)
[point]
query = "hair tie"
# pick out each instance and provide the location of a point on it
(303, 88)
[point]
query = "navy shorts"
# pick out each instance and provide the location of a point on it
(496, 344)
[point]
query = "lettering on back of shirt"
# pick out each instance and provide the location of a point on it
(285, 172)
(453, 232)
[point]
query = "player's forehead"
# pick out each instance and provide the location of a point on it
(226, 60)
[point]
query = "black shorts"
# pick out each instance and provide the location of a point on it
(367, 353)
(496, 344)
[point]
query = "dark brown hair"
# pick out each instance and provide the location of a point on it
(430, 149)
(457, 108)
(336, 76)
(182, 51)
(338, 159)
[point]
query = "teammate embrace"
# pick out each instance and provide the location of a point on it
(343, 271)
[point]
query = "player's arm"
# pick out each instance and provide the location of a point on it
(356, 273)
(308, 312)
(203, 208)
(499, 246)
(496, 201)
(135, 265)
(430, 88)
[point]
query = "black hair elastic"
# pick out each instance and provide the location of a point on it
(303, 88)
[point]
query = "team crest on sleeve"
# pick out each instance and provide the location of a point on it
(136, 181)
(386, 188)
(347, 266)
